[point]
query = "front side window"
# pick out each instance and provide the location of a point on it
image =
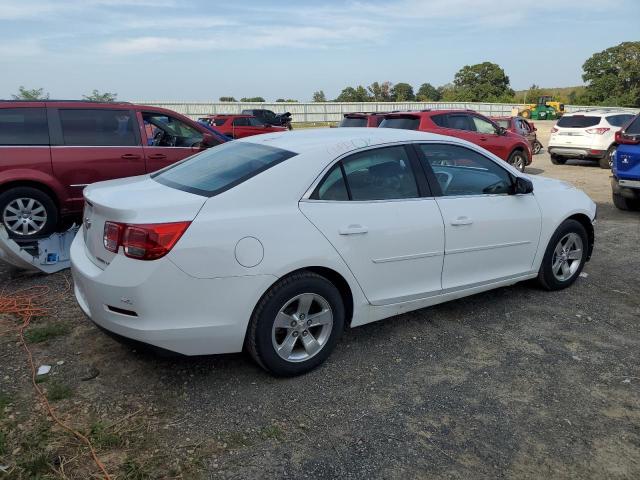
(379, 174)
(98, 127)
(462, 171)
(218, 122)
(221, 168)
(483, 126)
(503, 122)
(168, 131)
(241, 122)
(23, 126)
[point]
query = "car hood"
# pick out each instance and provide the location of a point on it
(546, 184)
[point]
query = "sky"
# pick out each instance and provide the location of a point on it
(199, 50)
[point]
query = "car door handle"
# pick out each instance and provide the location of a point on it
(130, 156)
(484, 139)
(461, 221)
(157, 156)
(353, 230)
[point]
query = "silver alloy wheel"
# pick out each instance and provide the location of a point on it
(610, 154)
(302, 327)
(24, 216)
(567, 257)
(536, 148)
(518, 161)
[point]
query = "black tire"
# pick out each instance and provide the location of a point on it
(557, 159)
(525, 113)
(623, 203)
(16, 194)
(537, 147)
(518, 159)
(259, 333)
(546, 277)
(606, 161)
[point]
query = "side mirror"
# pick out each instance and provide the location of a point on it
(501, 131)
(522, 186)
(208, 140)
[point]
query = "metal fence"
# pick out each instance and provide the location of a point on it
(334, 111)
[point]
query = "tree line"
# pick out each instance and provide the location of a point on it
(612, 78)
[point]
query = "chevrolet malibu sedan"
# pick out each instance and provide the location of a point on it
(276, 243)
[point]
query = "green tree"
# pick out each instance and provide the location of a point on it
(288, 100)
(96, 96)
(319, 96)
(428, 93)
(532, 95)
(350, 94)
(613, 76)
(252, 99)
(402, 92)
(30, 94)
(483, 82)
(227, 99)
(381, 92)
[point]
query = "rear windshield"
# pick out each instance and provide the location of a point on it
(578, 121)
(408, 123)
(221, 168)
(353, 122)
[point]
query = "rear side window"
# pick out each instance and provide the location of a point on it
(619, 120)
(221, 168)
(99, 127)
(333, 186)
(23, 126)
(407, 123)
(353, 122)
(578, 121)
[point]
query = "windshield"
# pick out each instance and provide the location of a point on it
(221, 168)
(578, 121)
(408, 123)
(353, 122)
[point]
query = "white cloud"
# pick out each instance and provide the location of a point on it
(20, 49)
(190, 22)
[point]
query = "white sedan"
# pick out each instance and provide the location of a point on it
(277, 242)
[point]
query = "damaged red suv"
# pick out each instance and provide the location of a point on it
(50, 150)
(468, 125)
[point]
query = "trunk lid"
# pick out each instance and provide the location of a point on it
(131, 200)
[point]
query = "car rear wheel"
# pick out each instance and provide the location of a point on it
(565, 256)
(607, 161)
(28, 212)
(296, 324)
(623, 203)
(518, 159)
(557, 159)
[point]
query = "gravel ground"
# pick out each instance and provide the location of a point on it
(513, 383)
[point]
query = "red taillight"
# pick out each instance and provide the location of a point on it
(144, 241)
(627, 139)
(598, 131)
(554, 130)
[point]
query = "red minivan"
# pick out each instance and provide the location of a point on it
(240, 126)
(50, 150)
(468, 125)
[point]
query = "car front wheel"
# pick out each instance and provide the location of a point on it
(565, 256)
(28, 212)
(296, 325)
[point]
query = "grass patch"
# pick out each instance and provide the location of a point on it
(236, 440)
(102, 438)
(58, 391)
(32, 461)
(5, 400)
(132, 470)
(272, 431)
(45, 332)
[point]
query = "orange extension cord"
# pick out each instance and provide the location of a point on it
(27, 304)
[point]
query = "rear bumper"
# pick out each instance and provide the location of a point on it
(156, 303)
(627, 188)
(576, 152)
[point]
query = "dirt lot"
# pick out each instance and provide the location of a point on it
(514, 383)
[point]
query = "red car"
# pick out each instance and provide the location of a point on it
(523, 127)
(468, 125)
(239, 126)
(50, 150)
(361, 119)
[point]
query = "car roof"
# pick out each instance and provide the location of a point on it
(231, 115)
(599, 111)
(341, 140)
